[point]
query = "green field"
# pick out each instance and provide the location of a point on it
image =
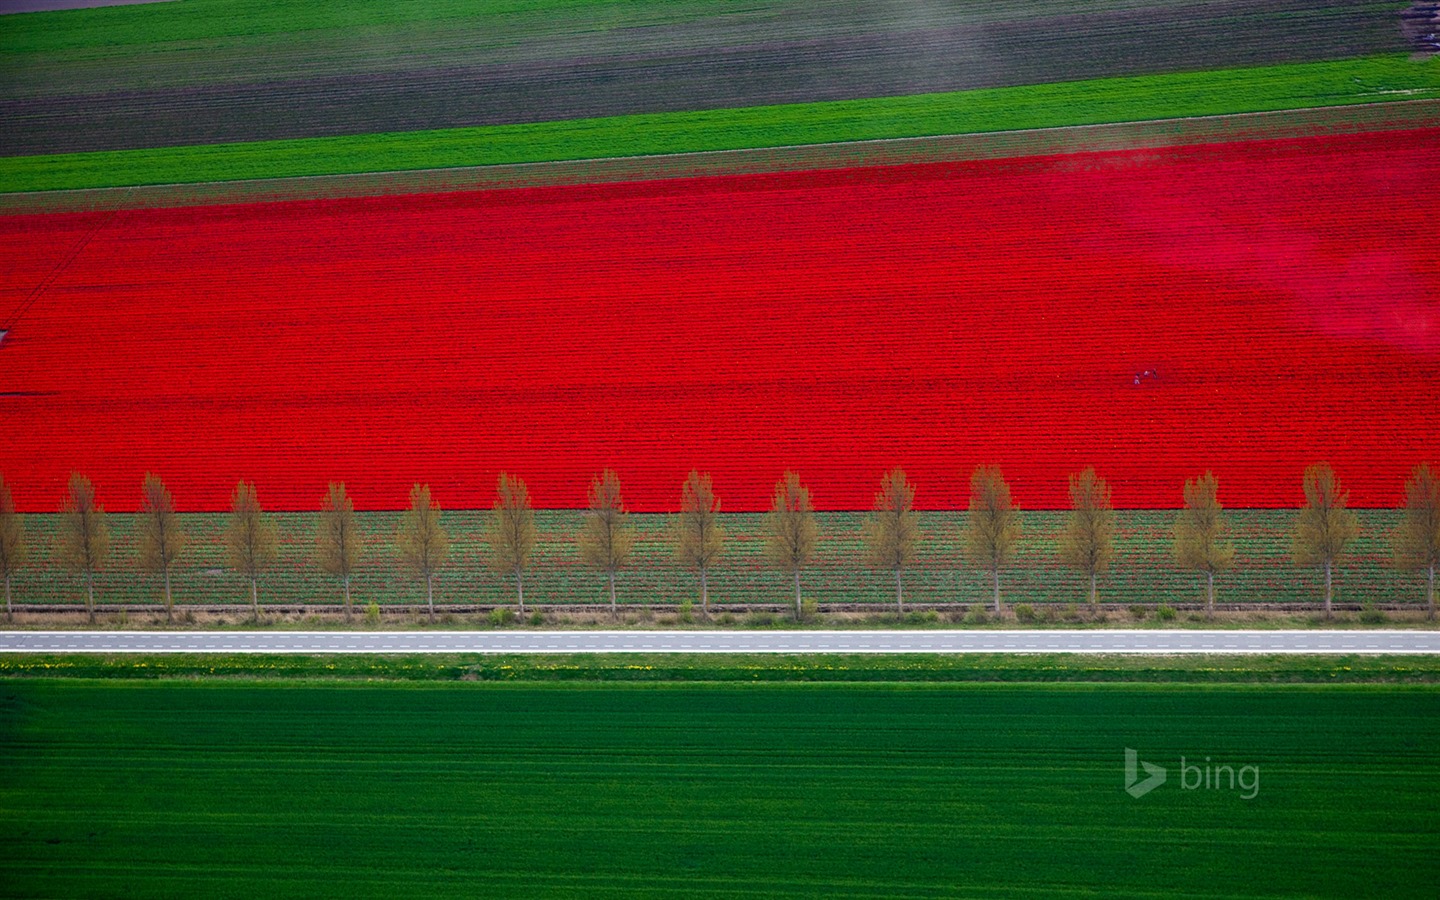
(267, 789)
(1143, 571)
(1379, 78)
(935, 668)
(296, 31)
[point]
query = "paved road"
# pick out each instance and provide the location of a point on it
(1056, 641)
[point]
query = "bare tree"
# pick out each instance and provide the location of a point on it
(606, 540)
(1088, 541)
(992, 529)
(1200, 534)
(251, 540)
(161, 539)
(337, 539)
(512, 533)
(791, 534)
(84, 539)
(1324, 528)
(1417, 539)
(699, 536)
(892, 530)
(422, 540)
(12, 542)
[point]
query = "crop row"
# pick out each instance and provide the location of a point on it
(1143, 571)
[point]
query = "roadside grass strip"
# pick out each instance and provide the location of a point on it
(736, 667)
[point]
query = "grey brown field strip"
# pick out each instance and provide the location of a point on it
(1031, 641)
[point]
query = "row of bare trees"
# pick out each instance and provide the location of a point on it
(1324, 531)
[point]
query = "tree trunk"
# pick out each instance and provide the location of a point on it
(797, 595)
(255, 597)
(1094, 591)
(347, 598)
(995, 576)
(520, 590)
(899, 592)
(704, 593)
(1210, 595)
(613, 608)
(430, 595)
(1431, 594)
(1327, 588)
(90, 595)
(10, 616)
(169, 604)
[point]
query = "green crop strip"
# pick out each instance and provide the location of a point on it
(265, 789)
(300, 22)
(1386, 77)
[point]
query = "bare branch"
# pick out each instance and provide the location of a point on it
(1200, 533)
(511, 532)
(1088, 541)
(1325, 527)
(422, 541)
(699, 536)
(892, 530)
(337, 538)
(791, 534)
(992, 528)
(251, 539)
(1416, 541)
(606, 539)
(13, 552)
(161, 539)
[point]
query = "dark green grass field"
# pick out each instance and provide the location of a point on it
(1143, 572)
(308, 789)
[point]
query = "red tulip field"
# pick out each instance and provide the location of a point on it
(1244, 307)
